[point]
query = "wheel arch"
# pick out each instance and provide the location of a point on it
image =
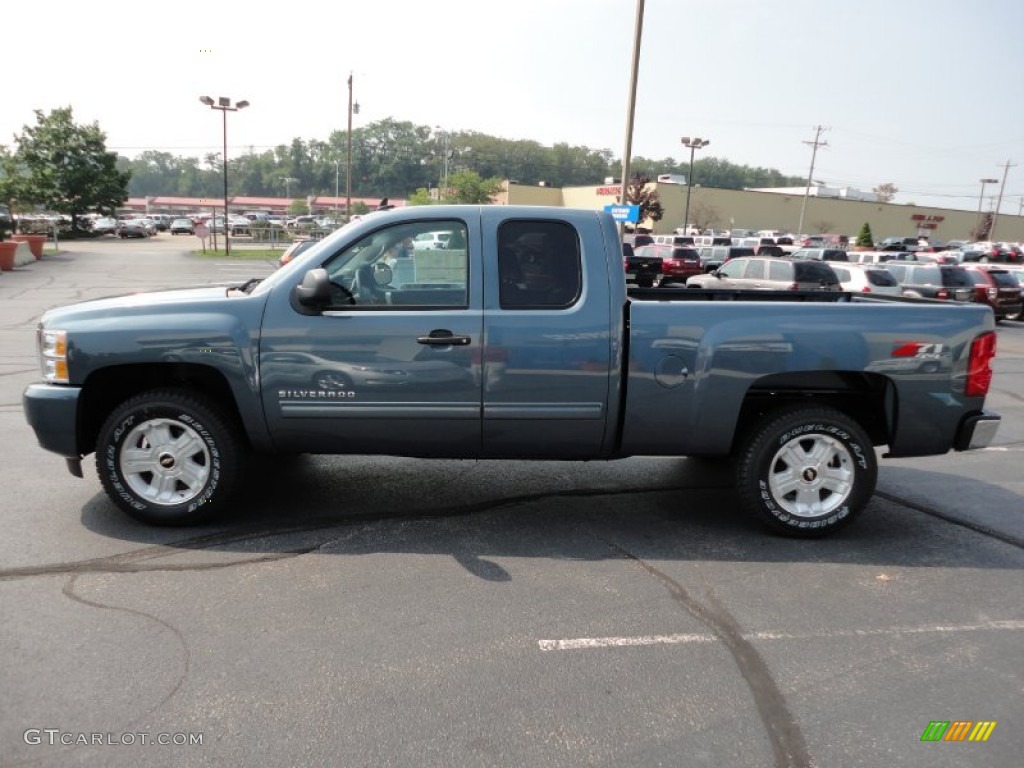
(105, 389)
(867, 398)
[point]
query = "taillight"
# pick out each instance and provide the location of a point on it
(866, 289)
(942, 294)
(666, 266)
(979, 372)
(794, 287)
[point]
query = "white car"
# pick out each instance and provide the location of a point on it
(105, 225)
(866, 278)
(431, 241)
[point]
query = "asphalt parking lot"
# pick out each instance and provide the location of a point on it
(399, 612)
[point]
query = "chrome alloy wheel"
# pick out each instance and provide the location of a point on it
(811, 475)
(165, 461)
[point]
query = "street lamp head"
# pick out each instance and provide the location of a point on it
(241, 104)
(990, 181)
(224, 101)
(206, 100)
(686, 140)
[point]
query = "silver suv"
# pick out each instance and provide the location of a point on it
(770, 274)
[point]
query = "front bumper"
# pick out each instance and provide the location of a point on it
(976, 431)
(52, 411)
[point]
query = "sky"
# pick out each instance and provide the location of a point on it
(923, 94)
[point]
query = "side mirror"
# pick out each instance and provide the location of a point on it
(315, 289)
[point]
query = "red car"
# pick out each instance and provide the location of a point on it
(678, 263)
(997, 288)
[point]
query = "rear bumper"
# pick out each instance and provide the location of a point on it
(976, 431)
(52, 412)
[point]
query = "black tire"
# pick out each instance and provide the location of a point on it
(827, 459)
(189, 457)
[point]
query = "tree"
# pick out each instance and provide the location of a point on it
(704, 215)
(640, 192)
(420, 197)
(865, 239)
(67, 167)
(298, 207)
(981, 232)
(885, 192)
(468, 187)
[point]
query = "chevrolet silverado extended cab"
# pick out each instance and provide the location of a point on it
(515, 340)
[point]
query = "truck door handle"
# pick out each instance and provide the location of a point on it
(443, 338)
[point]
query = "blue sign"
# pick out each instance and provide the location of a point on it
(624, 212)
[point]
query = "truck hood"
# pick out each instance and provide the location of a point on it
(161, 301)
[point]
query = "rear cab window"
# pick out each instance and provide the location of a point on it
(539, 264)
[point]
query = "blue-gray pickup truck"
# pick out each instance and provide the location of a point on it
(504, 332)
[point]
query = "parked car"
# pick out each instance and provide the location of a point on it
(711, 258)
(868, 257)
(820, 254)
(162, 221)
(683, 240)
(898, 244)
(997, 288)
(678, 264)
(1017, 273)
(778, 389)
(643, 271)
(769, 274)
(182, 227)
(932, 281)
(431, 241)
(105, 225)
(294, 250)
(135, 228)
(866, 278)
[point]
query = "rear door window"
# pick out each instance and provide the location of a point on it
(754, 270)
(779, 270)
(880, 277)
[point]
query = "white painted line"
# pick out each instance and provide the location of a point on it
(580, 643)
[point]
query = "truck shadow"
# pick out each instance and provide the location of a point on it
(474, 512)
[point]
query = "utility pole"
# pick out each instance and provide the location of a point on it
(814, 153)
(995, 215)
(627, 152)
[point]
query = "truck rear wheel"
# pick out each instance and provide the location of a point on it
(806, 471)
(169, 457)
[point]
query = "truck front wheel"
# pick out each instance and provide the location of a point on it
(806, 471)
(169, 457)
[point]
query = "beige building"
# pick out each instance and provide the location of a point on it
(757, 210)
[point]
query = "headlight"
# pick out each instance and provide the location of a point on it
(53, 355)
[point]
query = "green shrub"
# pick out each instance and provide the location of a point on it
(865, 239)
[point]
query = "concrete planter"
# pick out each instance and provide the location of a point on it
(35, 243)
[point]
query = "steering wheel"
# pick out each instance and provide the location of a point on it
(349, 296)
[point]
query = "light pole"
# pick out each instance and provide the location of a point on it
(223, 103)
(288, 181)
(353, 108)
(694, 144)
(981, 197)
